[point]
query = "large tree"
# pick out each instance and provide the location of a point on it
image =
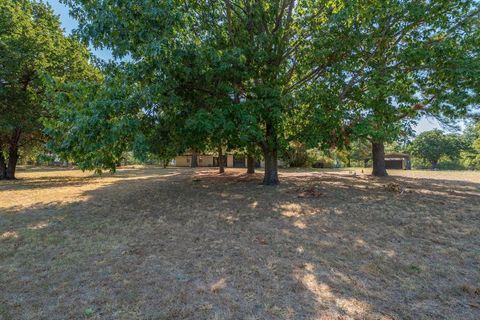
(32, 47)
(407, 59)
(93, 124)
(433, 145)
(471, 136)
(422, 60)
(315, 71)
(202, 62)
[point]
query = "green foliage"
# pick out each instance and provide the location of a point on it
(236, 72)
(212, 73)
(431, 146)
(316, 156)
(411, 60)
(295, 155)
(33, 47)
(471, 155)
(88, 312)
(361, 151)
(95, 122)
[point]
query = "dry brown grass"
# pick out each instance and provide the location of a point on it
(150, 243)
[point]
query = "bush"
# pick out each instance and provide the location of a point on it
(450, 165)
(295, 155)
(444, 164)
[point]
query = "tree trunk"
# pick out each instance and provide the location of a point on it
(12, 161)
(221, 167)
(194, 163)
(13, 155)
(434, 165)
(271, 167)
(250, 164)
(3, 166)
(269, 147)
(378, 157)
(365, 163)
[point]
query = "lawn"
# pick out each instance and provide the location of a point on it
(152, 243)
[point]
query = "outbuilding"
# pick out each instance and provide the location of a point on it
(399, 161)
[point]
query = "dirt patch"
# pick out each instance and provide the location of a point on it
(151, 243)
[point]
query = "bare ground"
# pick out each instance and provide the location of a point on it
(150, 243)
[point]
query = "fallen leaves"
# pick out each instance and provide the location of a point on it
(395, 187)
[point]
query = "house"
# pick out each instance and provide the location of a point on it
(400, 161)
(185, 160)
(206, 160)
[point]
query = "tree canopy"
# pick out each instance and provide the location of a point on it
(33, 47)
(414, 58)
(432, 145)
(244, 72)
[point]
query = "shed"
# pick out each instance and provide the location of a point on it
(400, 161)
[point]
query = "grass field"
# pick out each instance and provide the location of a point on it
(151, 243)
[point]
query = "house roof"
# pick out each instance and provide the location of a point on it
(397, 155)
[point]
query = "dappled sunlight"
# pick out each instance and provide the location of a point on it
(38, 226)
(229, 219)
(253, 205)
(218, 285)
(39, 188)
(448, 193)
(338, 306)
(9, 235)
(360, 243)
(230, 196)
(300, 224)
(291, 209)
(163, 241)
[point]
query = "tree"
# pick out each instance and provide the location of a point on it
(471, 137)
(361, 151)
(432, 145)
(32, 47)
(198, 59)
(95, 121)
(415, 58)
(295, 154)
(283, 70)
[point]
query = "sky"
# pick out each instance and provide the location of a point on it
(68, 23)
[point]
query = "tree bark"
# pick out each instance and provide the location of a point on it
(269, 147)
(271, 167)
(3, 166)
(194, 163)
(250, 164)
(378, 157)
(13, 154)
(12, 164)
(221, 167)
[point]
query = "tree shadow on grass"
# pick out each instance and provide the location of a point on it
(53, 178)
(198, 245)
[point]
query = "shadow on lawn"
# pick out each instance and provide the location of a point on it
(55, 181)
(202, 246)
